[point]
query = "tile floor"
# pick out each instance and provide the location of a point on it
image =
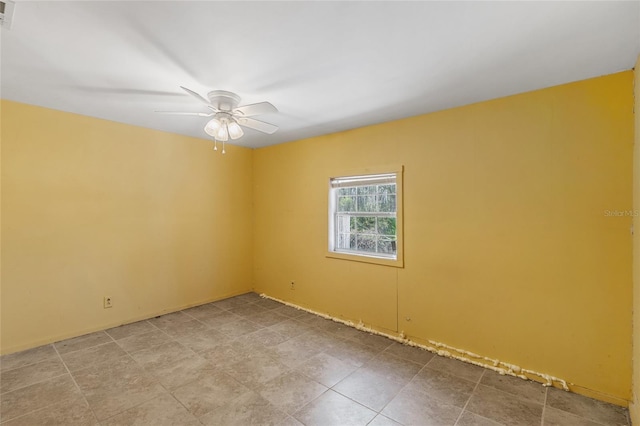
(249, 360)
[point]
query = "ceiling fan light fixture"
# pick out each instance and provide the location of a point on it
(235, 131)
(228, 118)
(212, 127)
(222, 134)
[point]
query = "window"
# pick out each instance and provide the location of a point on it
(363, 217)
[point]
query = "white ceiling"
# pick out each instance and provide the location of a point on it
(327, 66)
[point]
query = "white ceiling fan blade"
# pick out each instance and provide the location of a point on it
(258, 125)
(197, 96)
(255, 109)
(199, 114)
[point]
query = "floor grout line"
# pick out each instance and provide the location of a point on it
(470, 396)
(35, 383)
(544, 406)
(76, 384)
(4, 371)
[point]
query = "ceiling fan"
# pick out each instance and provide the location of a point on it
(228, 117)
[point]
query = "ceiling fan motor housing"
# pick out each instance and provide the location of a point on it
(223, 100)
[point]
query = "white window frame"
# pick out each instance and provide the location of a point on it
(364, 178)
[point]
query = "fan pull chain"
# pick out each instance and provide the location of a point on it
(215, 145)
(223, 147)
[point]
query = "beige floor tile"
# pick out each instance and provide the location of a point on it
(293, 352)
(390, 365)
(202, 311)
(326, 369)
(215, 321)
(290, 328)
(381, 420)
(238, 328)
(351, 352)
(503, 407)
(143, 341)
(268, 303)
(83, 342)
(555, 417)
(291, 391)
(315, 338)
(161, 411)
(262, 338)
(290, 421)
(162, 355)
(97, 354)
(338, 329)
(249, 297)
(369, 388)
(443, 387)
(290, 311)
(469, 419)
(412, 353)
(255, 371)
(30, 356)
(409, 408)
(314, 320)
(525, 389)
(587, 408)
(209, 393)
(183, 371)
(232, 302)
(121, 385)
(301, 316)
(30, 374)
(331, 408)
(246, 310)
(165, 320)
(74, 412)
(224, 355)
(185, 328)
(127, 330)
(40, 395)
(204, 340)
(457, 368)
(248, 409)
(379, 343)
(267, 318)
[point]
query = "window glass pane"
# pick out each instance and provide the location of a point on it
(367, 190)
(387, 226)
(342, 222)
(365, 224)
(353, 223)
(386, 203)
(347, 191)
(387, 189)
(386, 245)
(366, 243)
(366, 203)
(343, 241)
(352, 241)
(346, 204)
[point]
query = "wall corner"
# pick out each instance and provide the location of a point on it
(634, 405)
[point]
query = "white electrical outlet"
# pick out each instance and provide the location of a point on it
(108, 302)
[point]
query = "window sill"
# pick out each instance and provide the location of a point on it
(396, 263)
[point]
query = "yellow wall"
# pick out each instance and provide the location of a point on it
(634, 409)
(93, 208)
(508, 250)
